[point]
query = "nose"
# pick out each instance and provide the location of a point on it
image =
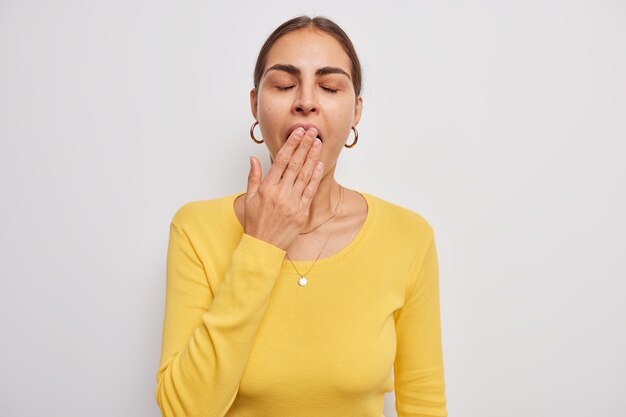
(305, 101)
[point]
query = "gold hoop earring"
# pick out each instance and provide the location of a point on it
(356, 138)
(252, 133)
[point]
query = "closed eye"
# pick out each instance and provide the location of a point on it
(330, 90)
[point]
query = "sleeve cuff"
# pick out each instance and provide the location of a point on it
(260, 250)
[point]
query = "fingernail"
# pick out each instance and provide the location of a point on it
(299, 133)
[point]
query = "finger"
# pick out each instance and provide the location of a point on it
(283, 157)
(254, 176)
(311, 189)
(297, 160)
(307, 170)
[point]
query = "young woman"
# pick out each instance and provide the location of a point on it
(297, 297)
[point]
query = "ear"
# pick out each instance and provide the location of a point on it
(358, 108)
(253, 104)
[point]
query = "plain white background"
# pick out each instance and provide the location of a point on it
(501, 122)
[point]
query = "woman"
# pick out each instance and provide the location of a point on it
(298, 296)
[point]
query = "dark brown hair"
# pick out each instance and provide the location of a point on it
(304, 22)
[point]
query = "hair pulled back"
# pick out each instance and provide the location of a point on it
(303, 22)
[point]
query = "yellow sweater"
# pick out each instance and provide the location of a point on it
(241, 338)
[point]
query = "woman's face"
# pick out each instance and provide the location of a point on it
(291, 92)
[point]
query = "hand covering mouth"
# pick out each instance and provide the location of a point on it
(306, 127)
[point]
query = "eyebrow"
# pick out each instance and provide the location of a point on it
(291, 69)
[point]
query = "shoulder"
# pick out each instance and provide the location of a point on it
(196, 213)
(402, 221)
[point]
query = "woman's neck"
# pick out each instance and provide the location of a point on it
(324, 202)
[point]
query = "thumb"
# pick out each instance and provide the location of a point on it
(254, 176)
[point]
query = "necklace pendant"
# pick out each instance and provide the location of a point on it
(302, 281)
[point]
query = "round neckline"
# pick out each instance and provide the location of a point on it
(229, 207)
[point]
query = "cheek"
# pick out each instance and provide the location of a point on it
(344, 118)
(344, 111)
(267, 118)
(270, 119)
(270, 109)
(265, 110)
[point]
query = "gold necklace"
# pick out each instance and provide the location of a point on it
(302, 281)
(336, 207)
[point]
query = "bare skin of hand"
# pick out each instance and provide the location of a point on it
(277, 206)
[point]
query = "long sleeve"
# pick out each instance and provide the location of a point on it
(418, 367)
(207, 338)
